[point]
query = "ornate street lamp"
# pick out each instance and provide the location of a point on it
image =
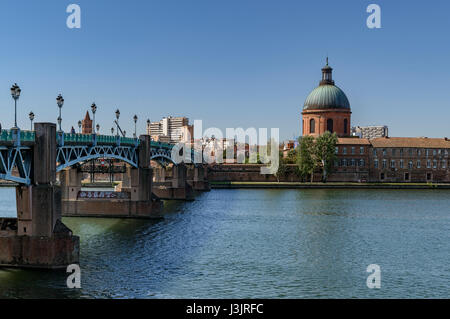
(148, 126)
(112, 130)
(31, 116)
(93, 109)
(98, 128)
(15, 93)
(117, 120)
(135, 118)
(79, 126)
(124, 133)
(60, 102)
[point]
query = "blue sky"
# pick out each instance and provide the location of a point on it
(234, 63)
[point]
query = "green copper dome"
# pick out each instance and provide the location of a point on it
(326, 95)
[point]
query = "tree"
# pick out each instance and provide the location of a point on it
(325, 152)
(282, 168)
(305, 157)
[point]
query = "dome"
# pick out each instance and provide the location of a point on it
(326, 96)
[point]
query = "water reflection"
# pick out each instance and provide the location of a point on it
(259, 244)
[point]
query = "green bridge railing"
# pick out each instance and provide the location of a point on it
(30, 136)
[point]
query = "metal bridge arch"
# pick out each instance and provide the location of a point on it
(72, 154)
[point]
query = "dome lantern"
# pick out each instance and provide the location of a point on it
(327, 78)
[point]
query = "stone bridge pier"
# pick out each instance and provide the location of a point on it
(38, 238)
(197, 177)
(134, 200)
(171, 183)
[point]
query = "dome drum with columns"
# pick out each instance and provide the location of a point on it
(326, 108)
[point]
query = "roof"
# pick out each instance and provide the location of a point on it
(417, 142)
(353, 141)
(87, 117)
(326, 97)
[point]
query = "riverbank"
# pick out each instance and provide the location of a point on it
(331, 185)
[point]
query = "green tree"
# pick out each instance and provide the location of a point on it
(282, 168)
(325, 152)
(305, 157)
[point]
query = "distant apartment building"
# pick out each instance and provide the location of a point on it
(370, 132)
(172, 129)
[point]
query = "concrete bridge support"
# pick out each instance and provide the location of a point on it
(39, 238)
(135, 200)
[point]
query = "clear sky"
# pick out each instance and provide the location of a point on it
(234, 63)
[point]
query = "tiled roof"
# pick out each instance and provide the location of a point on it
(417, 142)
(353, 141)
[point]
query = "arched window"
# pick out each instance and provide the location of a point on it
(312, 126)
(330, 125)
(345, 126)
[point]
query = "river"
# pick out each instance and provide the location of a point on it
(258, 244)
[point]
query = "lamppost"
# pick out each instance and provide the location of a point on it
(124, 133)
(117, 120)
(135, 118)
(93, 109)
(98, 128)
(112, 130)
(60, 102)
(15, 93)
(31, 116)
(148, 126)
(79, 126)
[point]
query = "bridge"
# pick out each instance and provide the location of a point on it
(33, 159)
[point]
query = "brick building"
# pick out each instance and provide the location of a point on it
(371, 155)
(326, 108)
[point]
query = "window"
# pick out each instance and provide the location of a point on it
(362, 163)
(434, 164)
(401, 152)
(428, 164)
(393, 152)
(382, 176)
(419, 152)
(434, 152)
(330, 125)
(406, 176)
(444, 164)
(374, 152)
(375, 163)
(384, 152)
(337, 150)
(392, 163)
(353, 150)
(345, 126)
(410, 165)
(353, 162)
(361, 150)
(427, 152)
(344, 162)
(344, 150)
(401, 163)
(336, 163)
(410, 152)
(384, 163)
(418, 164)
(312, 126)
(428, 176)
